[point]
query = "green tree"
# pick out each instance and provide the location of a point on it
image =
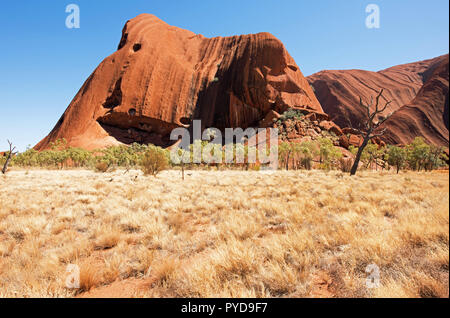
(397, 157)
(436, 158)
(418, 154)
(328, 153)
(308, 151)
(80, 157)
(284, 153)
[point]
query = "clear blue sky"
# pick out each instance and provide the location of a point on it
(43, 64)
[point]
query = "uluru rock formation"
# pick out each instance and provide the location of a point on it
(339, 93)
(162, 77)
(427, 115)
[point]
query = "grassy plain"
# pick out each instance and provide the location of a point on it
(224, 234)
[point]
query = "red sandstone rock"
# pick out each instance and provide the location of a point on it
(348, 131)
(378, 141)
(347, 155)
(316, 116)
(268, 121)
(331, 127)
(427, 115)
(339, 93)
(162, 77)
(292, 135)
(355, 140)
(344, 142)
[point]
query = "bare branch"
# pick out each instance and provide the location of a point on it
(360, 132)
(10, 154)
(379, 134)
(378, 100)
(365, 106)
(385, 106)
(371, 126)
(383, 120)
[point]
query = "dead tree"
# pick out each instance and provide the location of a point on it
(370, 127)
(8, 159)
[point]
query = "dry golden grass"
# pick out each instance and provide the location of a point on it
(224, 234)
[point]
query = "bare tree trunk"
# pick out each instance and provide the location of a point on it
(287, 161)
(358, 156)
(11, 150)
(373, 122)
(5, 167)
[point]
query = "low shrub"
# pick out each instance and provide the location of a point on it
(102, 166)
(154, 160)
(346, 164)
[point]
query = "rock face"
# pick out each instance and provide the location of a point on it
(427, 115)
(339, 93)
(162, 77)
(309, 126)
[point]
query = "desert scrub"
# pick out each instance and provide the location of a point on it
(102, 166)
(224, 233)
(154, 161)
(416, 156)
